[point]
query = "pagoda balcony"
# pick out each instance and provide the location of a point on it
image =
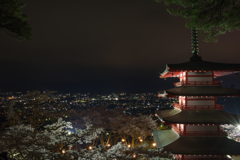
(193, 107)
(197, 133)
(198, 83)
(206, 133)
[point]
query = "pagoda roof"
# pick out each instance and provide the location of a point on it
(203, 91)
(165, 137)
(197, 64)
(200, 117)
(204, 146)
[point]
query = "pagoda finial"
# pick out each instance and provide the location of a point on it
(195, 50)
(194, 41)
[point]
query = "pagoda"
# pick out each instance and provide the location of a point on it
(191, 130)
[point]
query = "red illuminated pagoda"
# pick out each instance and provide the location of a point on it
(191, 130)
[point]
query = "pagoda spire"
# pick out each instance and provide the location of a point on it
(195, 49)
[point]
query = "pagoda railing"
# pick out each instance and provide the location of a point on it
(196, 133)
(192, 107)
(198, 83)
(201, 133)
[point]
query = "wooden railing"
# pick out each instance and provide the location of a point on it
(197, 83)
(205, 133)
(195, 133)
(192, 107)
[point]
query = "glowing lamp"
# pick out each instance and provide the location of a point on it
(154, 144)
(238, 126)
(134, 155)
(141, 140)
(90, 147)
(108, 145)
(63, 151)
(129, 146)
(123, 140)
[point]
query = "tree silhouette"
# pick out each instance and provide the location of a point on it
(213, 17)
(12, 21)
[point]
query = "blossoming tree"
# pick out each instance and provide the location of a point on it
(55, 141)
(232, 131)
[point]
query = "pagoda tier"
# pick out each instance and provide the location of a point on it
(196, 64)
(195, 122)
(202, 147)
(198, 117)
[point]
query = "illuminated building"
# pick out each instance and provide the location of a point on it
(191, 129)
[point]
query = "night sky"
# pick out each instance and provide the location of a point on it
(103, 47)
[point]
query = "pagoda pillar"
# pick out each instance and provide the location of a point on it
(186, 78)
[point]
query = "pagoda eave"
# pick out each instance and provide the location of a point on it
(171, 73)
(219, 69)
(224, 73)
(201, 65)
(204, 146)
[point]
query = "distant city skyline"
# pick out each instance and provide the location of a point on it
(103, 47)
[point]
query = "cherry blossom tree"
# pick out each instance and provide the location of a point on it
(232, 131)
(118, 125)
(24, 142)
(55, 141)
